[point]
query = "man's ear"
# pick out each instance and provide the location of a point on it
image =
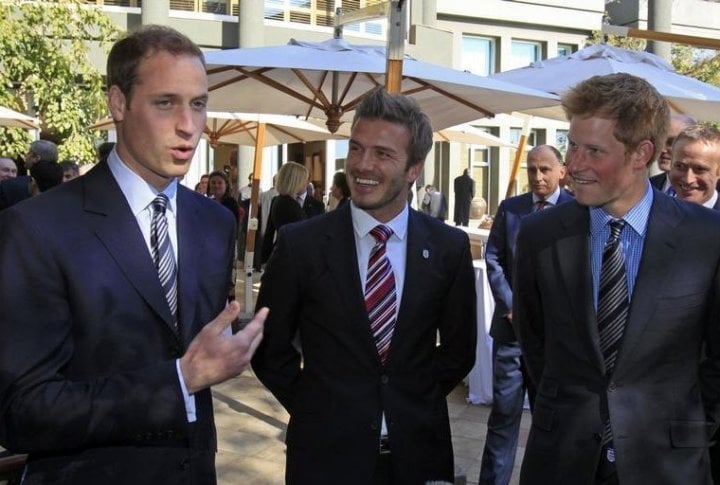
(644, 153)
(117, 103)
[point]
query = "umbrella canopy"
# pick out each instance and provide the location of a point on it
(557, 75)
(328, 79)
(469, 134)
(14, 119)
(241, 129)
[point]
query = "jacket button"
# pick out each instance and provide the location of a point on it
(384, 379)
(185, 464)
(612, 386)
(374, 426)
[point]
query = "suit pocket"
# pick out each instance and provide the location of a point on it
(690, 434)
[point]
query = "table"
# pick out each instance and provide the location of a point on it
(480, 377)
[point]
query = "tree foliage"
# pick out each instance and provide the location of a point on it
(45, 71)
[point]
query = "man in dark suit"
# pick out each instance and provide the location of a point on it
(105, 366)
(545, 169)
(617, 308)
(464, 192)
(365, 291)
(310, 205)
(661, 181)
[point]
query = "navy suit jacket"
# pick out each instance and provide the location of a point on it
(500, 258)
(88, 381)
(664, 394)
(337, 396)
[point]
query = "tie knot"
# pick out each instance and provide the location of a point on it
(616, 227)
(541, 204)
(160, 203)
(381, 233)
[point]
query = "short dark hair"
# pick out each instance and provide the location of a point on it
(104, 149)
(69, 164)
(396, 108)
(46, 174)
(127, 53)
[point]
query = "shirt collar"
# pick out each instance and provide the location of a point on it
(363, 222)
(636, 217)
(137, 191)
(710, 203)
(550, 199)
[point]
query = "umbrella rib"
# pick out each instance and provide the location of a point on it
(233, 80)
(427, 85)
(280, 87)
(288, 133)
(316, 91)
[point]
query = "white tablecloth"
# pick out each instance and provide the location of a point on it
(480, 377)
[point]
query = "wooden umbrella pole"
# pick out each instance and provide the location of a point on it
(395, 46)
(253, 220)
(518, 157)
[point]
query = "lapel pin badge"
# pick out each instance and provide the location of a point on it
(426, 254)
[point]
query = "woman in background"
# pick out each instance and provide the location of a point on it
(292, 179)
(340, 190)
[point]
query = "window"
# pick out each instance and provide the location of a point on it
(534, 138)
(478, 55)
(523, 53)
(565, 49)
(322, 13)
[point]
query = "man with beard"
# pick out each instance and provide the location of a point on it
(365, 291)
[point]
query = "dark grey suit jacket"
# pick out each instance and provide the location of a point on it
(337, 396)
(664, 393)
(88, 384)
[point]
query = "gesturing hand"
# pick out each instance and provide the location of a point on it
(215, 355)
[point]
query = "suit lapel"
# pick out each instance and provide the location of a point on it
(658, 249)
(420, 249)
(118, 230)
(342, 263)
(190, 249)
(573, 256)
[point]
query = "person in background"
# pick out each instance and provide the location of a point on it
(695, 167)
(105, 372)
(246, 190)
(202, 186)
(310, 205)
(8, 168)
(661, 181)
(19, 188)
(339, 190)
(618, 306)
(104, 149)
(372, 317)
(219, 190)
(545, 169)
(292, 179)
(464, 193)
(44, 176)
(70, 169)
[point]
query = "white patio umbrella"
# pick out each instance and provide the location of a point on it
(328, 79)
(557, 75)
(14, 119)
(469, 134)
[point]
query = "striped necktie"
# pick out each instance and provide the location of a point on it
(613, 305)
(162, 253)
(541, 204)
(380, 297)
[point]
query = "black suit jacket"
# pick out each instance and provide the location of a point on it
(663, 396)
(657, 181)
(313, 207)
(337, 396)
(88, 383)
(14, 190)
(283, 210)
(500, 258)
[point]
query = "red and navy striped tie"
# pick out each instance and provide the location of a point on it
(380, 297)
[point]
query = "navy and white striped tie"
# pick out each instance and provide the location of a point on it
(162, 252)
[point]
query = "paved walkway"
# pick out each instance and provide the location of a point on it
(251, 430)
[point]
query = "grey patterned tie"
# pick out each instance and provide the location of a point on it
(162, 253)
(613, 304)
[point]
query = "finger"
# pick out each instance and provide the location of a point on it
(254, 327)
(225, 317)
